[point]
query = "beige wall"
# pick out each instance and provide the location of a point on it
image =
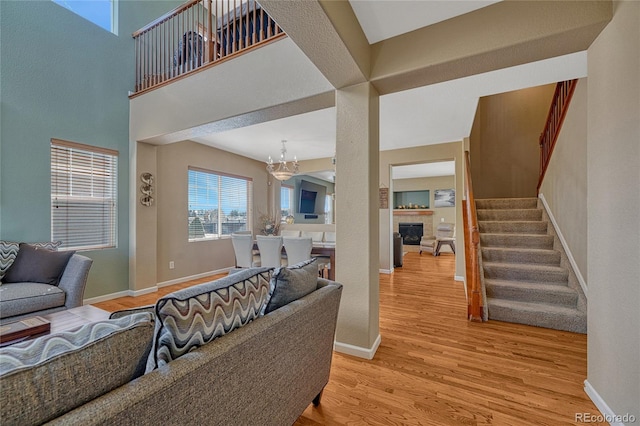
(565, 183)
(423, 154)
(432, 183)
(193, 258)
(504, 142)
(143, 273)
(613, 202)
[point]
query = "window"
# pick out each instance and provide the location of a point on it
(328, 209)
(100, 12)
(219, 204)
(83, 196)
(286, 202)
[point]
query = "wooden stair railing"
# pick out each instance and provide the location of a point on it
(555, 118)
(471, 248)
(197, 34)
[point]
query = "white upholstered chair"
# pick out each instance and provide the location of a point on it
(445, 235)
(316, 236)
(298, 249)
(270, 250)
(329, 239)
(243, 248)
(289, 233)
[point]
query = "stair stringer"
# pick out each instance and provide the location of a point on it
(576, 281)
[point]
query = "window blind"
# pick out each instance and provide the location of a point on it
(83, 196)
(219, 204)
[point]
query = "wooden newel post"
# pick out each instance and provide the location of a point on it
(471, 243)
(475, 313)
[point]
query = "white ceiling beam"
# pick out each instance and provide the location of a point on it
(329, 34)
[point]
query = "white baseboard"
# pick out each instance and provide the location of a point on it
(572, 261)
(458, 278)
(607, 413)
(193, 277)
(385, 271)
(360, 352)
(152, 289)
(107, 297)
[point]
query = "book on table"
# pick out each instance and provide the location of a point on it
(23, 329)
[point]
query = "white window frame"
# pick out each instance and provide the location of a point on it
(221, 217)
(290, 189)
(84, 196)
(328, 209)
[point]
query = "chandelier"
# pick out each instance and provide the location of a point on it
(283, 171)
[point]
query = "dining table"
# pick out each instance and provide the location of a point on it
(326, 250)
(318, 249)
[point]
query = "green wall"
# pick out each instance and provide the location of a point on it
(64, 77)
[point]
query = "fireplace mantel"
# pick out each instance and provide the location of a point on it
(412, 212)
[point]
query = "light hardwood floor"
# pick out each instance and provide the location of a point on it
(434, 367)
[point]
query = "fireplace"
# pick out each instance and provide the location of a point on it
(411, 233)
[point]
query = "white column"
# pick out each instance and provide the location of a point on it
(357, 219)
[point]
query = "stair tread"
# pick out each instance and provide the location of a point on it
(502, 234)
(511, 221)
(532, 250)
(535, 307)
(543, 286)
(509, 210)
(507, 199)
(528, 266)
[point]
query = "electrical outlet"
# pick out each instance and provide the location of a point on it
(172, 265)
(442, 219)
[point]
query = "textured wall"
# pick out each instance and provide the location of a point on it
(432, 183)
(613, 200)
(357, 151)
(67, 78)
(199, 257)
(505, 154)
(565, 182)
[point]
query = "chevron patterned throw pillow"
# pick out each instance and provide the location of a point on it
(194, 316)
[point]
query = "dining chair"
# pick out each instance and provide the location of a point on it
(298, 249)
(243, 248)
(270, 250)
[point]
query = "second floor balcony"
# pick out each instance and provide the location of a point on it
(197, 35)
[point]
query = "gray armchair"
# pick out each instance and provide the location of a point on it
(21, 300)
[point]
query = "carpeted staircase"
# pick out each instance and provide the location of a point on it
(526, 275)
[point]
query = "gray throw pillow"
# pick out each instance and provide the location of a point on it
(37, 265)
(9, 251)
(292, 283)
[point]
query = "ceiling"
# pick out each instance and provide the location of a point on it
(426, 115)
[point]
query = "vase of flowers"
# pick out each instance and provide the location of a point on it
(269, 225)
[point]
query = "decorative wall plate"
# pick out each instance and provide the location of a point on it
(146, 200)
(146, 178)
(146, 189)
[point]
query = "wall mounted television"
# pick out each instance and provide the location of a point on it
(307, 201)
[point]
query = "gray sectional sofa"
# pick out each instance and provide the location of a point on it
(235, 351)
